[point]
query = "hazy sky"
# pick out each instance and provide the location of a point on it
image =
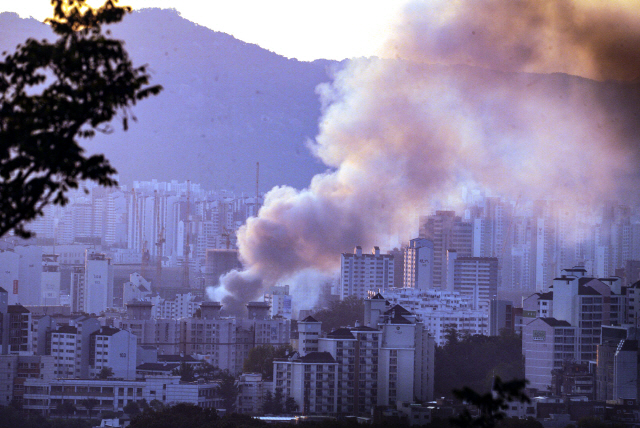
(307, 29)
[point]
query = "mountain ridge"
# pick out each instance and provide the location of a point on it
(226, 105)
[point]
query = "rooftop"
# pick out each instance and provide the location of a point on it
(556, 323)
(106, 331)
(341, 333)
(318, 358)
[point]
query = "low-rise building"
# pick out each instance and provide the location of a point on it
(43, 396)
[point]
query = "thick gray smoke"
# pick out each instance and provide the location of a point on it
(453, 108)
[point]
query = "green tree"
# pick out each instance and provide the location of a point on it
(208, 371)
(105, 373)
(260, 359)
(89, 404)
(53, 94)
(186, 372)
(290, 405)
(267, 404)
(451, 336)
(228, 390)
(491, 405)
(132, 409)
(66, 408)
(474, 361)
(156, 405)
(179, 416)
(278, 402)
(341, 313)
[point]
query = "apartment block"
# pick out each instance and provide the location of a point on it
(476, 278)
(547, 343)
(43, 396)
(447, 232)
(388, 359)
(361, 272)
(418, 264)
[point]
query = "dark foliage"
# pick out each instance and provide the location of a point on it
(178, 416)
(260, 359)
(228, 390)
(594, 422)
(186, 372)
(341, 314)
(52, 95)
(473, 361)
(491, 405)
(519, 423)
(89, 404)
(105, 373)
(290, 406)
(66, 408)
(132, 409)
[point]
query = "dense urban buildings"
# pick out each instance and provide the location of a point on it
(115, 284)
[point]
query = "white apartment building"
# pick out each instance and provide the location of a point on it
(547, 343)
(476, 278)
(280, 301)
(418, 264)
(30, 272)
(360, 272)
(10, 274)
(251, 391)
(137, 288)
(115, 349)
(388, 359)
(70, 347)
(224, 342)
(92, 285)
(50, 280)
(183, 306)
(576, 302)
(163, 334)
(15, 369)
(43, 396)
(440, 310)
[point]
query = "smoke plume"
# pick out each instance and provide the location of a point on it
(463, 99)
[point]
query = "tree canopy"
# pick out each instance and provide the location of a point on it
(105, 373)
(341, 313)
(260, 359)
(474, 361)
(53, 94)
(491, 405)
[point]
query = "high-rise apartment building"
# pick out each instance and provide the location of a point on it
(447, 232)
(579, 306)
(92, 284)
(476, 279)
(355, 369)
(418, 264)
(361, 272)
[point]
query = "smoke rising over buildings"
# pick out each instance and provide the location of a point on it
(458, 106)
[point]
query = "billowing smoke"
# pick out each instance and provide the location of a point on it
(461, 102)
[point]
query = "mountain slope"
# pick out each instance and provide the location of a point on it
(226, 105)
